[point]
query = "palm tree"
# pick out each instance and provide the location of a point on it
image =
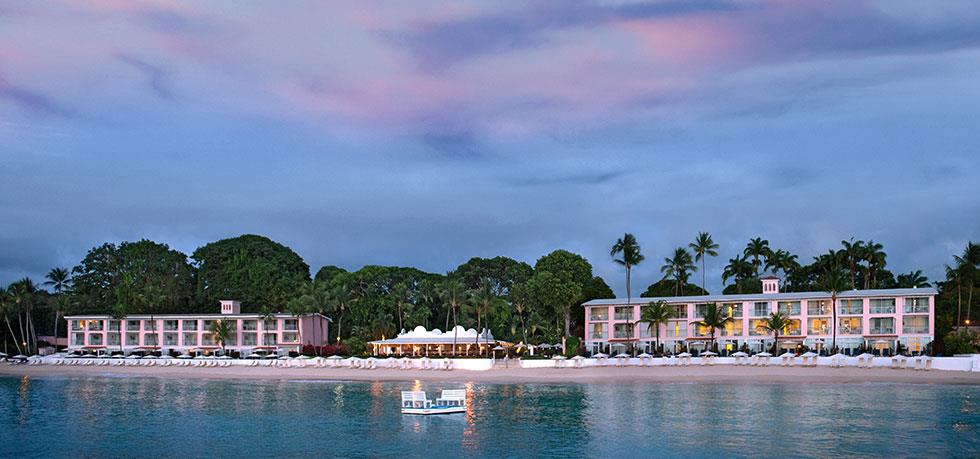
(630, 249)
(914, 279)
(833, 281)
(776, 322)
(853, 253)
(738, 268)
(401, 296)
(485, 301)
(967, 270)
(714, 318)
(703, 246)
(679, 267)
(221, 330)
(656, 313)
(952, 275)
(341, 298)
(875, 257)
(298, 307)
(454, 295)
(60, 280)
(8, 308)
(757, 248)
(23, 294)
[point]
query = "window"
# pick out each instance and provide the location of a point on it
(132, 325)
(114, 325)
(232, 339)
(292, 337)
(189, 325)
(269, 324)
(849, 326)
(732, 328)
(915, 324)
(76, 325)
(646, 331)
(249, 339)
(732, 309)
(95, 339)
(760, 309)
(701, 331)
(793, 328)
(95, 325)
(622, 313)
(790, 308)
(190, 339)
(290, 324)
(757, 327)
(882, 305)
(676, 329)
(151, 339)
(169, 325)
(170, 339)
(150, 325)
(851, 307)
(820, 326)
(250, 325)
(882, 326)
(207, 324)
(269, 339)
(132, 339)
(112, 339)
(818, 307)
(700, 309)
(917, 305)
(78, 339)
(207, 340)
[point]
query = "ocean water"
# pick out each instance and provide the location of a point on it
(151, 417)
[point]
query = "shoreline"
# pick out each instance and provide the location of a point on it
(604, 375)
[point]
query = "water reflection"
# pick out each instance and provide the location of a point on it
(102, 416)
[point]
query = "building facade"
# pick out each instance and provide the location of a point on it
(874, 320)
(183, 333)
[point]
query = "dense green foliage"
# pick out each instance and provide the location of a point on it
(252, 269)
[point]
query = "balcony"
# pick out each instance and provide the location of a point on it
(599, 335)
(881, 331)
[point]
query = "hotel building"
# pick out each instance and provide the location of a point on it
(874, 319)
(183, 333)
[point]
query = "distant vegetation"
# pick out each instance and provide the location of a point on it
(516, 301)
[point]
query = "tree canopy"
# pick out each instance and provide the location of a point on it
(253, 269)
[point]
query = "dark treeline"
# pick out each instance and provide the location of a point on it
(516, 301)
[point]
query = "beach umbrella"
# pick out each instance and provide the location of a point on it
(559, 357)
(839, 355)
(335, 357)
(303, 357)
(3, 355)
(600, 355)
(764, 354)
(225, 357)
(200, 357)
(644, 355)
(88, 356)
(20, 357)
(740, 354)
(499, 348)
(254, 356)
(808, 354)
(270, 356)
(789, 355)
(133, 357)
(709, 353)
(578, 357)
(149, 356)
(684, 354)
(184, 356)
(285, 357)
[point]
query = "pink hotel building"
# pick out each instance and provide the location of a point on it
(182, 333)
(876, 319)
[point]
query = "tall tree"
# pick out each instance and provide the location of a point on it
(631, 256)
(738, 268)
(575, 273)
(221, 331)
(913, 279)
(500, 272)
(853, 254)
(759, 250)
(703, 247)
(484, 301)
(678, 267)
(252, 269)
(833, 281)
(874, 256)
(145, 266)
(967, 269)
(554, 294)
(60, 281)
(340, 299)
(454, 294)
(656, 313)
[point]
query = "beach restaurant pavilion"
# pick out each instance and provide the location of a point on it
(435, 343)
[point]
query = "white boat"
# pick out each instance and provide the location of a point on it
(451, 401)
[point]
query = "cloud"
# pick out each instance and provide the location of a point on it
(32, 101)
(157, 78)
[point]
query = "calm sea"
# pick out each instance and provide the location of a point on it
(149, 417)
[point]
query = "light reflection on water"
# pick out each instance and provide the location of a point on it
(159, 417)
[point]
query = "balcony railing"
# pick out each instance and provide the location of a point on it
(882, 331)
(599, 335)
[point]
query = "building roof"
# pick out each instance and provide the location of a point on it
(928, 291)
(422, 336)
(278, 315)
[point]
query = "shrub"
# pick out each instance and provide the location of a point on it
(572, 345)
(324, 351)
(356, 346)
(961, 342)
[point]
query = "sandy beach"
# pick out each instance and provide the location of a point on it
(719, 373)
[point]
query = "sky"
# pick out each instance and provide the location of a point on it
(425, 133)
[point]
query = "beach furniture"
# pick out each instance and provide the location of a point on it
(684, 359)
(622, 360)
(578, 361)
(559, 360)
(787, 359)
(838, 360)
(451, 401)
(601, 359)
(865, 360)
(741, 358)
(708, 358)
(763, 359)
(809, 359)
(922, 362)
(645, 359)
(899, 362)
